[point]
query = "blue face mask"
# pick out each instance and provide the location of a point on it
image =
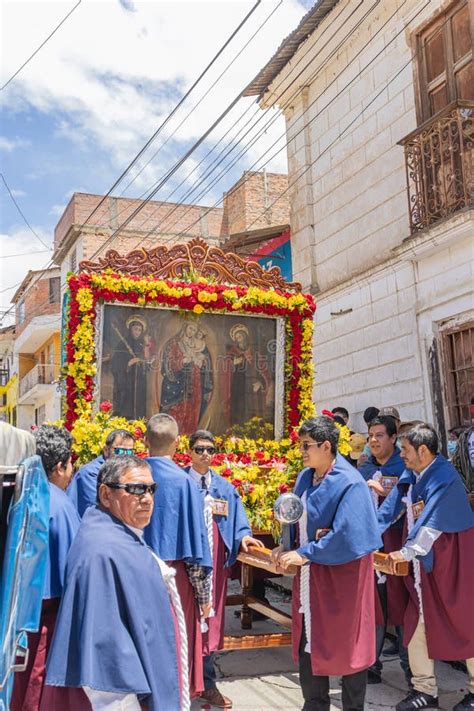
(452, 444)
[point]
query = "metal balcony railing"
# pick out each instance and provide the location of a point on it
(39, 375)
(439, 165)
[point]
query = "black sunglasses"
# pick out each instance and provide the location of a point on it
(136, 489)
(124, 451)
(201, 450)
(304, 446)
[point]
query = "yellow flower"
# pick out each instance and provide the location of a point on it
(198, 309)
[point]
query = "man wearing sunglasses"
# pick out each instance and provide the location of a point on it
(333, 615)
(120, 637)
(228, 530)
(178, 535)
(83, 488)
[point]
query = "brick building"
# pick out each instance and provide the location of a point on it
(36, 350)
(378, 106)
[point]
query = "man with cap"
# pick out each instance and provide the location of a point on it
(391, 412)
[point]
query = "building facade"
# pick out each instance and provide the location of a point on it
(378, 102)
(8, 376)
(37, 348)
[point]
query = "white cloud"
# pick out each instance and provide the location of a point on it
(115, 69)
(8, 145)
(18, 193)
(57, 210)
(13, 270)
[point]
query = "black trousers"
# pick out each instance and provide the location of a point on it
(316, 688)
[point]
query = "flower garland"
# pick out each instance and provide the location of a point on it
(88, 289)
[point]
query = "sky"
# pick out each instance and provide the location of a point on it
(84, 106)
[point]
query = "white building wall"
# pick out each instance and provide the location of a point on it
(381, 294)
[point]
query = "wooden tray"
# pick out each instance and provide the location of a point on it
(381, 564)
(261, 558)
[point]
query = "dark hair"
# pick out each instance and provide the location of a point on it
(321, 429)
(342, 410)
(161, 431)
(113, 469)
(112, 436)
(340, 420)
(387, 421)
(53, 445)
(422, 434)
(370, 413)
(201, 434)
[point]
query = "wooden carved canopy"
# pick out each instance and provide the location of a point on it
(194, 257)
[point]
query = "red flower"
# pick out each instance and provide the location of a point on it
(138, 433)
(328, 413)
(236, 482)
(87, 396)
(227, 473)
(294, 436)
(283, 488)
(105, 406)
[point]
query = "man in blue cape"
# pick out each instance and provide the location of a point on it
(178, 535)
(120, 635)
(83, 488)
(53, 445)
(333, 615)
(439, 541)
(228, 530)
(381, 471)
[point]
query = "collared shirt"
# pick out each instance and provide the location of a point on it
(198, 477)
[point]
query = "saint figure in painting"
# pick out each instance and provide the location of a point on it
(246, 379)
(188, 381)
(130, 362)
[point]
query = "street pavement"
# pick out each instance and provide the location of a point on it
(264, 679)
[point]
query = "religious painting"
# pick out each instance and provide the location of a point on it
(213, 371)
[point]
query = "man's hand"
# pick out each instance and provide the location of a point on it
(206, 610)
(376, 486)
(394, 558)
(276, 553)
(290, 558)
(257, 386)
(249, 541)
(133, 361)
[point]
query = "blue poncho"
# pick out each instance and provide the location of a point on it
(177, 530)
(64, 523)
(115, 629)
(342, 504)
(83, 488)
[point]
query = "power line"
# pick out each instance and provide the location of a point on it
(40, 47)
(216, 81)
(165, 178)
(174, 110)
(23, 254)
(22, 214)
(330, 101)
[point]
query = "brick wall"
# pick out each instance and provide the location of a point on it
(245, 204)
(36, 300)
(168, 220)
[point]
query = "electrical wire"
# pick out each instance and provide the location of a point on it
(22, 214)
(40, 47)
(174, 110)
(348, 126)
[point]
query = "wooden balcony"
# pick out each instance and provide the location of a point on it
(439, 165)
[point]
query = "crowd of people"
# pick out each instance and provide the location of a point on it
(140, 552)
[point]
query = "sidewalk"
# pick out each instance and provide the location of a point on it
(265, 679)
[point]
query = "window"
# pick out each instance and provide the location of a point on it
(444, 60)
(73, 260)
(21, 311)
(54, 290)
(458, 357)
